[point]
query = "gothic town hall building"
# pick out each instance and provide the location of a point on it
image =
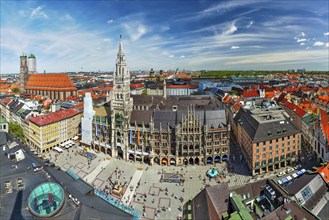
(173, 130)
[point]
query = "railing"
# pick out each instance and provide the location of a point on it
(118, 204)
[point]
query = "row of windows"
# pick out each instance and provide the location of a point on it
(276, 159)
(276, 147)
(270, 154)
(277, 140)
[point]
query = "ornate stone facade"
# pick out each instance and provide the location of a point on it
(174, 130)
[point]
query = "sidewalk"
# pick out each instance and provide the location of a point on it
(93, 174)
(127, 197)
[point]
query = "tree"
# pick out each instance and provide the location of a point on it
(16, 130)
(233, 92)
(15, 90)
(144, 92)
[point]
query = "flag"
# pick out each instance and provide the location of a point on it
(96, 129)
(145, 137)
(103, 129)
(138, 137)
(130, 137)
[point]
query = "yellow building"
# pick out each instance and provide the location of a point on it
(48, 131)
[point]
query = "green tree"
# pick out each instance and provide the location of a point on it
(15, 90)
(16, 130)
(233, 92)
(144, 92)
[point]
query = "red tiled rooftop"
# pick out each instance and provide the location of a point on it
(136, 85)
(300, 112)
(324, 171)
(324, 123)
(250, 93)
(53, 81)
(171, 86)
(54, 116)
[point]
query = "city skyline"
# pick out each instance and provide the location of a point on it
(227, 35)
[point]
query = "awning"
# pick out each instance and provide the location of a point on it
(96, 142)
(131, 151)
(145, 153)
(75, 138)
(138, 152)
(172, 162)
(108, 146)
(209, 160)
(138, 156)
(118, 144)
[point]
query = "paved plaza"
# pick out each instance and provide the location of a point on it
(141, 182)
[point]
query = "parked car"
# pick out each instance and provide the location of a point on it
(297, 167)
(281, 173)
(289, 170)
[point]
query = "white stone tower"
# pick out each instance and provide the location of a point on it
(121, 106)
(32, 63)
(87, 119)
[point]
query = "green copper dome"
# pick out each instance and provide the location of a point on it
(46, 199)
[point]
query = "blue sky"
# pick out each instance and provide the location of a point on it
(186, 34)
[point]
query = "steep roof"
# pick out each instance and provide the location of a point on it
(54, 116)
(209, 203)
(53, 81)
(250, 93)
(324, 116)
(300, 112)
(324, 171)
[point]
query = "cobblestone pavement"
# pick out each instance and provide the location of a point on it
(154, 199)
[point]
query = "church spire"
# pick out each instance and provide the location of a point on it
(120, 46)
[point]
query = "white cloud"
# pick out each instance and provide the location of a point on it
(326, 34)
(302, 34)
(280, 57)
(134, 26)
(38, 13)
(181, 57)
(326, 44)
(250, 24)
(318, 44)
(301, 44)
(171, 56)
(231, 29)
(106, 39)
(307, 48)
(301, 40)
(110, 21)
(235, 47)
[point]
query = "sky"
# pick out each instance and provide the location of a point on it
(82, 35)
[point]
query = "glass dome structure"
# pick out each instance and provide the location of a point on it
(46, 199)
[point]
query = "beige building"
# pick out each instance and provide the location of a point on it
(50, 130)
(268, 139)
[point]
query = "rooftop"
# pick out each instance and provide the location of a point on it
(53, 81)
(54, 116)
(264, 125)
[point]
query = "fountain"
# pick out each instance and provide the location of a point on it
(212, 172)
